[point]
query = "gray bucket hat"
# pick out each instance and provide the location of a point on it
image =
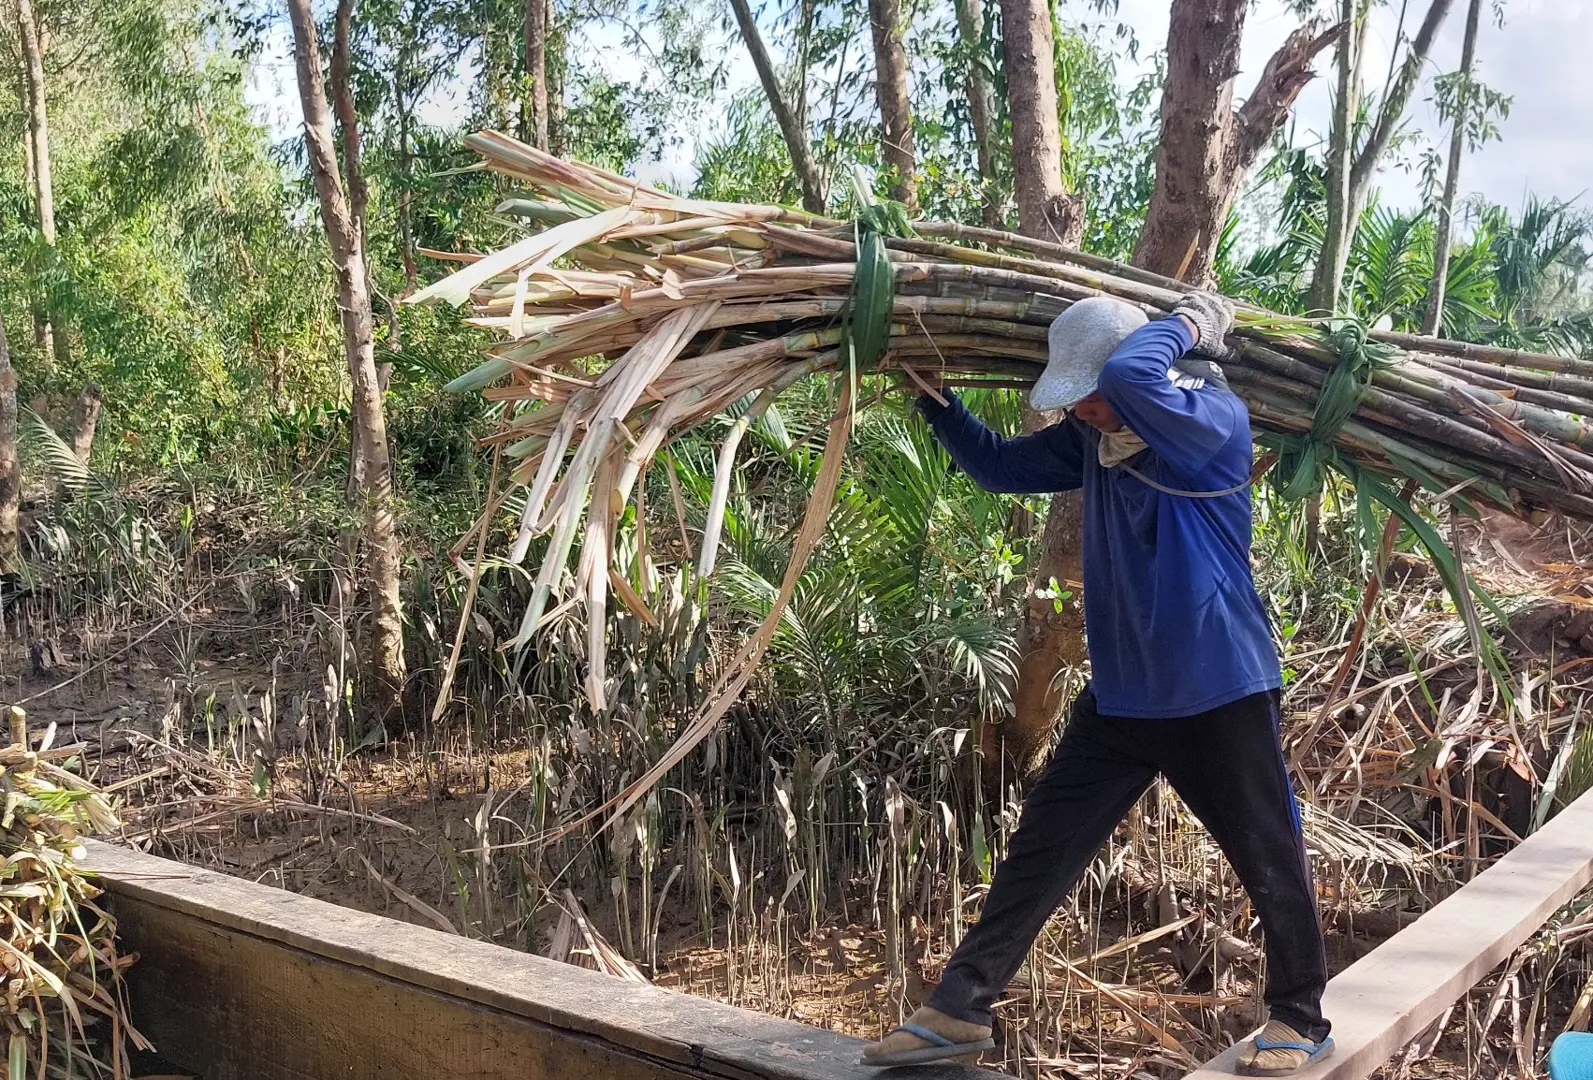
(1080, 341)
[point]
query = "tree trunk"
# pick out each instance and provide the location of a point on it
(1392, 109)
(534, 111)
(354, 304)
(1189, 203)
(897, 150)
(42, 338)
(970, 28)
(1433, 319)
(10, 475)
(348, 121)
(792, 127)
(1050, 643)
(1206, 148)
(1045, 210)
(406, 187)
(1339, 229)
(43, 174)
(558, 136)
(86, 420)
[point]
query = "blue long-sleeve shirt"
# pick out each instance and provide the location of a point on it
(1174, 623)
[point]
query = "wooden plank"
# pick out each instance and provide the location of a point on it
(227, 1005)
(1391, 995)
(245, 928)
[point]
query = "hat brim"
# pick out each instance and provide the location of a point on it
(1061, 389)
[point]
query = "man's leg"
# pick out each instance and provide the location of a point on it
(1227, 765)
(1092, 780)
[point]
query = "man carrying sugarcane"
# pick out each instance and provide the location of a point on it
(1184, 674)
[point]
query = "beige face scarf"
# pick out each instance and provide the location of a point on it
(1117, 447)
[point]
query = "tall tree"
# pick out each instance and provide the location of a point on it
(31, 37)
(41, 321)
(1354, 186)
(534, 111)
(970, 27)
(897, 149)
(1433, 319)
(1339, 225)
(1046, 210)
(1051, 639)
(10, 475)
(354, 303)
(1206, 146)
(792, 127)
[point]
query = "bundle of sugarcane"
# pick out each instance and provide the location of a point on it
(65, 1013)
(627, 315)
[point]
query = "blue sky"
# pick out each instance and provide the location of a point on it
(1540, 57)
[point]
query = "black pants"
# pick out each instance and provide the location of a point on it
(1228, 767)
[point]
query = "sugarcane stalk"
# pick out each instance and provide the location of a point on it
(1490, 354)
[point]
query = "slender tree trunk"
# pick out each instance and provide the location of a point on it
(806, 13)
(534, 111)
(348, 131)
(348, 121)
(897, 149)
(43, 174)
(354, 304)
(406, 180)
(86, 420)
(1340, 225)
(41, 320)
(792, 127)
(10, 475)
(1392, 109)
(1433, 319)
(1050, 642)
(970, 29)
(558, 135)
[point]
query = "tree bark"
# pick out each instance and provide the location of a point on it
(534, 111)
(792, 127)
(1045, 210)
(970, 29)
(897, 150)
(1433, 318)
(1339, 228)
(348, 259)
(1331, 260)
(558, 134)
(1392, 109)
(1050, 642)
(86, 420)
(42, 338)
(1206, 148)
(10, 475)
(348, 121)
(43, 174)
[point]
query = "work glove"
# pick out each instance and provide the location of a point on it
(1213, 318)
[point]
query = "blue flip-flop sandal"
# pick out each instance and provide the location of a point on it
(1313, 1051)
(939, 1049)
